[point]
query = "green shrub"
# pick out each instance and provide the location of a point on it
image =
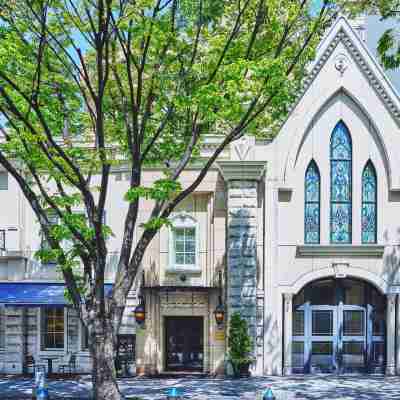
(239, 343)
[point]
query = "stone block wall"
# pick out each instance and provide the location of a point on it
(242, 252)
(14, 340)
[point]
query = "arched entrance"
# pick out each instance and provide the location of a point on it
(338, 326)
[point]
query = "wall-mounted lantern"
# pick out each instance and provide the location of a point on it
(140, 311)
(219, 312)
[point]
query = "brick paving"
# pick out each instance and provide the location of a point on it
(317, 387)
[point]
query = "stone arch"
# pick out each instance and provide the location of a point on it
(375, 132)
(351, 272)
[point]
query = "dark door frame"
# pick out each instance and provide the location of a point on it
(200, 319)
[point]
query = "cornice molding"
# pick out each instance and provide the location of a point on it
(344, 250)
(242, 170)
(12, 255)
(343, 37)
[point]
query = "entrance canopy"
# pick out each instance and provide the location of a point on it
(36, 294)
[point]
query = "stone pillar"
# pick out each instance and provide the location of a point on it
(390, 334)
(398, 335)
(287, 329)
(146, 343)
(242, 183)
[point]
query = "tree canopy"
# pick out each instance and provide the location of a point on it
(389, 43)
(89, 85)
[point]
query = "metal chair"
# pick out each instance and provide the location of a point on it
(70, 364)
(31, 363)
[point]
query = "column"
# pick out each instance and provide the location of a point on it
(242, 251)
(287, 329)
(398, 336)
(242, 179)
(390, 334)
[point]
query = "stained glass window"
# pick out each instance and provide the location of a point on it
(341, 184)
(312, 204)
(369, 206)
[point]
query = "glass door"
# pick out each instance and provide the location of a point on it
(322, 344)
(352, 343)
(339, 326)
(376, 339)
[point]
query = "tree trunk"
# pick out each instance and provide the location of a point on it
(103, 352)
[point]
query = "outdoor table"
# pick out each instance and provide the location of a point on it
(49, 363)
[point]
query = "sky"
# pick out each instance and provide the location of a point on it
(375, 28)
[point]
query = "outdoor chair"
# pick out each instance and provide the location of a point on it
(69, 365)
(31, 363)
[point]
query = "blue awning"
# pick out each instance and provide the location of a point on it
(36, 294)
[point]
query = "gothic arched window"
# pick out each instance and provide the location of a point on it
(341, 184)
(369, 204)
(312, 204)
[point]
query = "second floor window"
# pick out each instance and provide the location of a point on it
(53, 220)
(3, 180)
(369, 206)
(2, 239)
(2, 328)
(341, 184)
(312, 204)
(183, 246)
(53, 328)
(84, 337)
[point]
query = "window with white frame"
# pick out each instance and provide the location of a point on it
(3, 180)
(52, 221)
(84, 337)
(183, 242)
(52, 328)
(2, 328)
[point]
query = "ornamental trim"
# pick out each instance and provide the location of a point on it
(343, 37)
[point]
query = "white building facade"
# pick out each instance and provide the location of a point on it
(301, 235)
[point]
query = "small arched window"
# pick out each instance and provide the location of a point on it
(312, 207)
(369, 204)
(341, 184)
(183, 247)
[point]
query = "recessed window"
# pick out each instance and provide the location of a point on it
(53, 328)
(369, 205)
(353, 323)
(312, 204)
(3, 180)
(322, 323)
(84, 337)
(183, 243)
(2, 328)
(298, 323)
(341, 184)
(185, 246)
(44, 244)
(52, 221)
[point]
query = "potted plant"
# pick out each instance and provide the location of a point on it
(239, 346)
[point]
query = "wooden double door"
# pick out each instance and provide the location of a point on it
(184, 344)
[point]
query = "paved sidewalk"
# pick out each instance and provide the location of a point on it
(321, 387)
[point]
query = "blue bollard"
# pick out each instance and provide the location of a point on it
(173, 394)
(268, 395)
(42, 392)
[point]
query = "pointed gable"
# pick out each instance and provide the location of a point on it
(344, 74)
(342, 32)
